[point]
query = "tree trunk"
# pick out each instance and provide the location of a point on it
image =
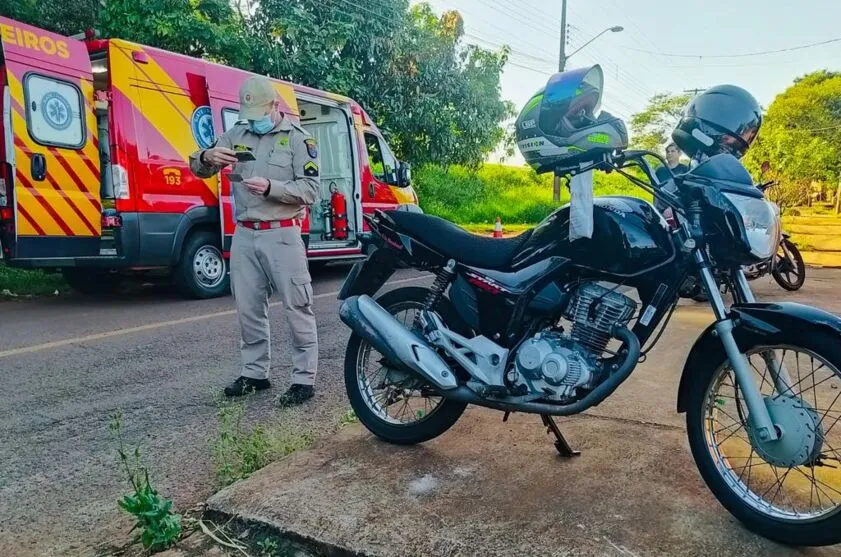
(838, 196)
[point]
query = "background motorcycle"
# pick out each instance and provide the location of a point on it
(787, 266)
(542, 325)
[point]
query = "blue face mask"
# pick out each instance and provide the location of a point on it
(263, 125)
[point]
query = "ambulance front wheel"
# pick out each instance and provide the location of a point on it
(91, 281)
(202, 271)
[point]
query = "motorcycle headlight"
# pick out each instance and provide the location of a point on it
(761, 223)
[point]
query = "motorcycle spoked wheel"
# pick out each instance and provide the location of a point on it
(790, 492)
(395, 405)
(789, 269)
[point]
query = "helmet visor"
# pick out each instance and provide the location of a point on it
(571, 100)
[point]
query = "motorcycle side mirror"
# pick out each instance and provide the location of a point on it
(404, 174)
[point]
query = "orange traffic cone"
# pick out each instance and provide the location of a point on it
(498, 228)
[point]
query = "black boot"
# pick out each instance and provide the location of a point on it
(297, 394)
(245, 385)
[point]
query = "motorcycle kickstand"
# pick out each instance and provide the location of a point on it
(561, 443)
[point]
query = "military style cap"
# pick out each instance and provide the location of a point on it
(254, 97)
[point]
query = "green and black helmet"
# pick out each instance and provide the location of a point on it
(560, 128)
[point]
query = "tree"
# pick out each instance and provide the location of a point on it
(201, 28)
(801, 136)
(652, 127)
(438, 100)
(60, 16)
(447, 107)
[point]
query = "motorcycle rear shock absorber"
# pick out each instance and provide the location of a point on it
(443, 278)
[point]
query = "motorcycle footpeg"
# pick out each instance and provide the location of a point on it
(488, 391)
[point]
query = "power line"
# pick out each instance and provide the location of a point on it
(503, 30)
(741, 55)
(818, 129)
(551, 30)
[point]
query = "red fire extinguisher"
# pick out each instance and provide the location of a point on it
(338, 210)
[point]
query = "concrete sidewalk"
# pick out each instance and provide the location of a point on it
(492, 489)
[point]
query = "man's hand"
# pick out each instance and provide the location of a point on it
(219, 156)
(256, 185)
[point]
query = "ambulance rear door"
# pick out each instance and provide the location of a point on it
(50, 155)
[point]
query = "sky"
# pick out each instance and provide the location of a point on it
(688, 44)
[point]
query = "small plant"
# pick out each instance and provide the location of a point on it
(268, 547)
(159, 527)
(239, 452)
(348, 418)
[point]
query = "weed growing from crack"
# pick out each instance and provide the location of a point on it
(348, 418)
(268, 547)
(158, 526)
(239, 451)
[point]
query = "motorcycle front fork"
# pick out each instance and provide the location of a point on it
(759, 417)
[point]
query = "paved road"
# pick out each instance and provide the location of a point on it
(67, 363)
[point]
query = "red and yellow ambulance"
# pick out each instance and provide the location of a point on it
(95, 137)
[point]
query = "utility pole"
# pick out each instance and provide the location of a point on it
(562, 62)
(562, 59)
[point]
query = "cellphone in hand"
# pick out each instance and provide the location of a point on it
(245, 156)
(232, 177)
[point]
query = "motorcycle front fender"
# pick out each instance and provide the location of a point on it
(756, 323)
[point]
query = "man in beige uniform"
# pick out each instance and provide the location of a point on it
(268, 254)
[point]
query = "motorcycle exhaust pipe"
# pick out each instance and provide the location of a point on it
(400, 346)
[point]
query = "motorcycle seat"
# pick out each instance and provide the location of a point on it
(456, 243)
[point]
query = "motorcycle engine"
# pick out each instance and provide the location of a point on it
(557, 364)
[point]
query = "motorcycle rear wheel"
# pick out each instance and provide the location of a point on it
(795, 505)
(419, 415)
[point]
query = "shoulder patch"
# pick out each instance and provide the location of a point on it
(310, 169)
(312, 147)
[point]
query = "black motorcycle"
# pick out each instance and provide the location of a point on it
(544, 325)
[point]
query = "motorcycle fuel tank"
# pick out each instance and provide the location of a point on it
(629, 237)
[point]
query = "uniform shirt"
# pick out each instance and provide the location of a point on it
(287, 156)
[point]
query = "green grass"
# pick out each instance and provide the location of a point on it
(517, 195)
(24, 282)
(239, 450)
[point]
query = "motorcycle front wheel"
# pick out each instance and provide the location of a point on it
(789, 270)
(787, 490)
(396, 405)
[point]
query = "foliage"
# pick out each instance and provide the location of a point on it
(238, 451)
(268, 547)
(438, 100)
(201, 28)
(158, 526)
(515, 194)
(447, 109)
(801, 137)
(26, 282)
(348, 418)
(653, 126)
(59, 16)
